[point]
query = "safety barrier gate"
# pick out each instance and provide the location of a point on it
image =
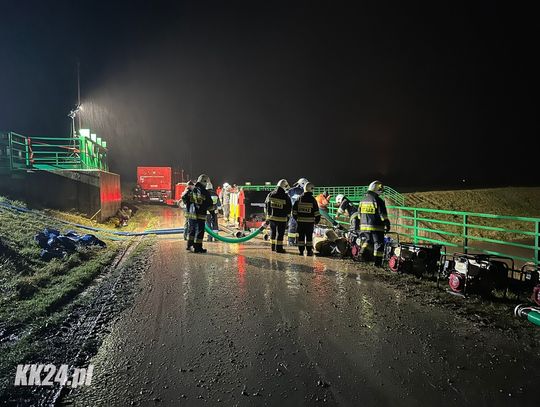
(18, 152)
(354, 193)
(467, 231)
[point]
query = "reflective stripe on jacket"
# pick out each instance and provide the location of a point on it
(306, 209)
(198, 202)
(277, 205)
(373, 214)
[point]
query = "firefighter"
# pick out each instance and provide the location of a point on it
(345, 206)
(212, 216)
(294, 193)
(278, 208)
(198, 202)
(225, 200)
(185, 199)
(306, 213)
(374, 221)
(354, 222)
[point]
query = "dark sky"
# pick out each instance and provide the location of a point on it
(339, 92)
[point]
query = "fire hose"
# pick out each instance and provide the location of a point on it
(325, 215)
(532, 314)
(234, 240)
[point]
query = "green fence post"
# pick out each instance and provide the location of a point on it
(10, 144)
(415, 225)
(536, 241)
(27, 152)
(465, 233)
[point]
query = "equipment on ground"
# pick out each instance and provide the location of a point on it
(246, 208)
(356, 241)
(532, 314)
(477, 273)
(414, 258)
(528, 279)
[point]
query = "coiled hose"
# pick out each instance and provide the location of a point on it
(233, 240)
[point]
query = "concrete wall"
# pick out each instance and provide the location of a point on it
(92, 193)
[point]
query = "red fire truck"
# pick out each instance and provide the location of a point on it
(159, 184)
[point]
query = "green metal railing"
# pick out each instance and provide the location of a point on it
(467, 231)
(87, 151)
(354, 193)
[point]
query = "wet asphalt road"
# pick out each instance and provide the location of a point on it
(244, 326)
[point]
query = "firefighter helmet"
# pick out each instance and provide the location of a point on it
(283, 184)
(203, 179)
(302, 182)
(309, 187)
(377, 187)
(339, 199)
(226, 185)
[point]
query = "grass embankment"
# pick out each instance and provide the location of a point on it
(523, 202)
(32, 291)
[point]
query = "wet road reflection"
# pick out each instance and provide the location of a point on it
(245, 326)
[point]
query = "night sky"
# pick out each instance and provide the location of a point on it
(418, 95)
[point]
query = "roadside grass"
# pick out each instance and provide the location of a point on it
(30, 288)
(142, 219)
(34, 293)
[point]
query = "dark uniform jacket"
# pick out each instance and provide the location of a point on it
(197, 201)
(373, 214)
(347, 206)
(278, 205)
(355, 222)
(215, 201)
(306, 209)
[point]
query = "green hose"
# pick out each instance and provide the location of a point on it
(531, 313)
(534, 317)
(233, 240)
(325, 215)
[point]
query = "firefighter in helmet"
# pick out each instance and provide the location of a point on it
(374, 221)
(294, 193)
(212, 216)
(306, 213)
(278, 208)
(345, 206)
(198, 201)
(185, 200)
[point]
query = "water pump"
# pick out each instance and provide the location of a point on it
(413, 258)
(479, 273)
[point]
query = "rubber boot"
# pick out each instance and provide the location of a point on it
(189, 245)
(280, 249)
(273, 247)
(378, 262)
(309, 252)
(301, 250)
(198, 248)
